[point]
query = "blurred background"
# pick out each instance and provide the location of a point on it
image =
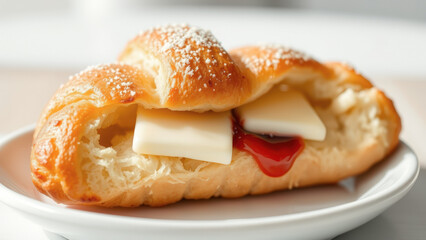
(409, 9)
(43, 42)
(75, 33)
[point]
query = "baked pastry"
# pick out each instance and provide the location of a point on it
(82, 149)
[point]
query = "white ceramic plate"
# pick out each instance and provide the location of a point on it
(311, 213)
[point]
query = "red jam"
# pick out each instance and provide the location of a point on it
(274, 155)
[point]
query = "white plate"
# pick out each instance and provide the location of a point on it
(311, 213)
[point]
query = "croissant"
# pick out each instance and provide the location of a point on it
(82, 145)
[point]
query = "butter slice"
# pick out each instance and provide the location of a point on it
(201, 136)
(282, 112)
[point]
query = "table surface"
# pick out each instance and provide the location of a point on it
(25, 91)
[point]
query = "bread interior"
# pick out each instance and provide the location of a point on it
(351, 114)
(109, 163)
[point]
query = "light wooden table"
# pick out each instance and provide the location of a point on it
(24, 93)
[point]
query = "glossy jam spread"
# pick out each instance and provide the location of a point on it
(274, 155)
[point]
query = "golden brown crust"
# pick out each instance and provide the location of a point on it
(101, 86)
(55, 165)
(231, 80)
(390, 113)
(190, 70)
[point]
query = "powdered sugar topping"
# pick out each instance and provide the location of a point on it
(117, 77)
(271, 55)
(191, 49)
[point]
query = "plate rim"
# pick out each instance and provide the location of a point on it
(29, 205)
